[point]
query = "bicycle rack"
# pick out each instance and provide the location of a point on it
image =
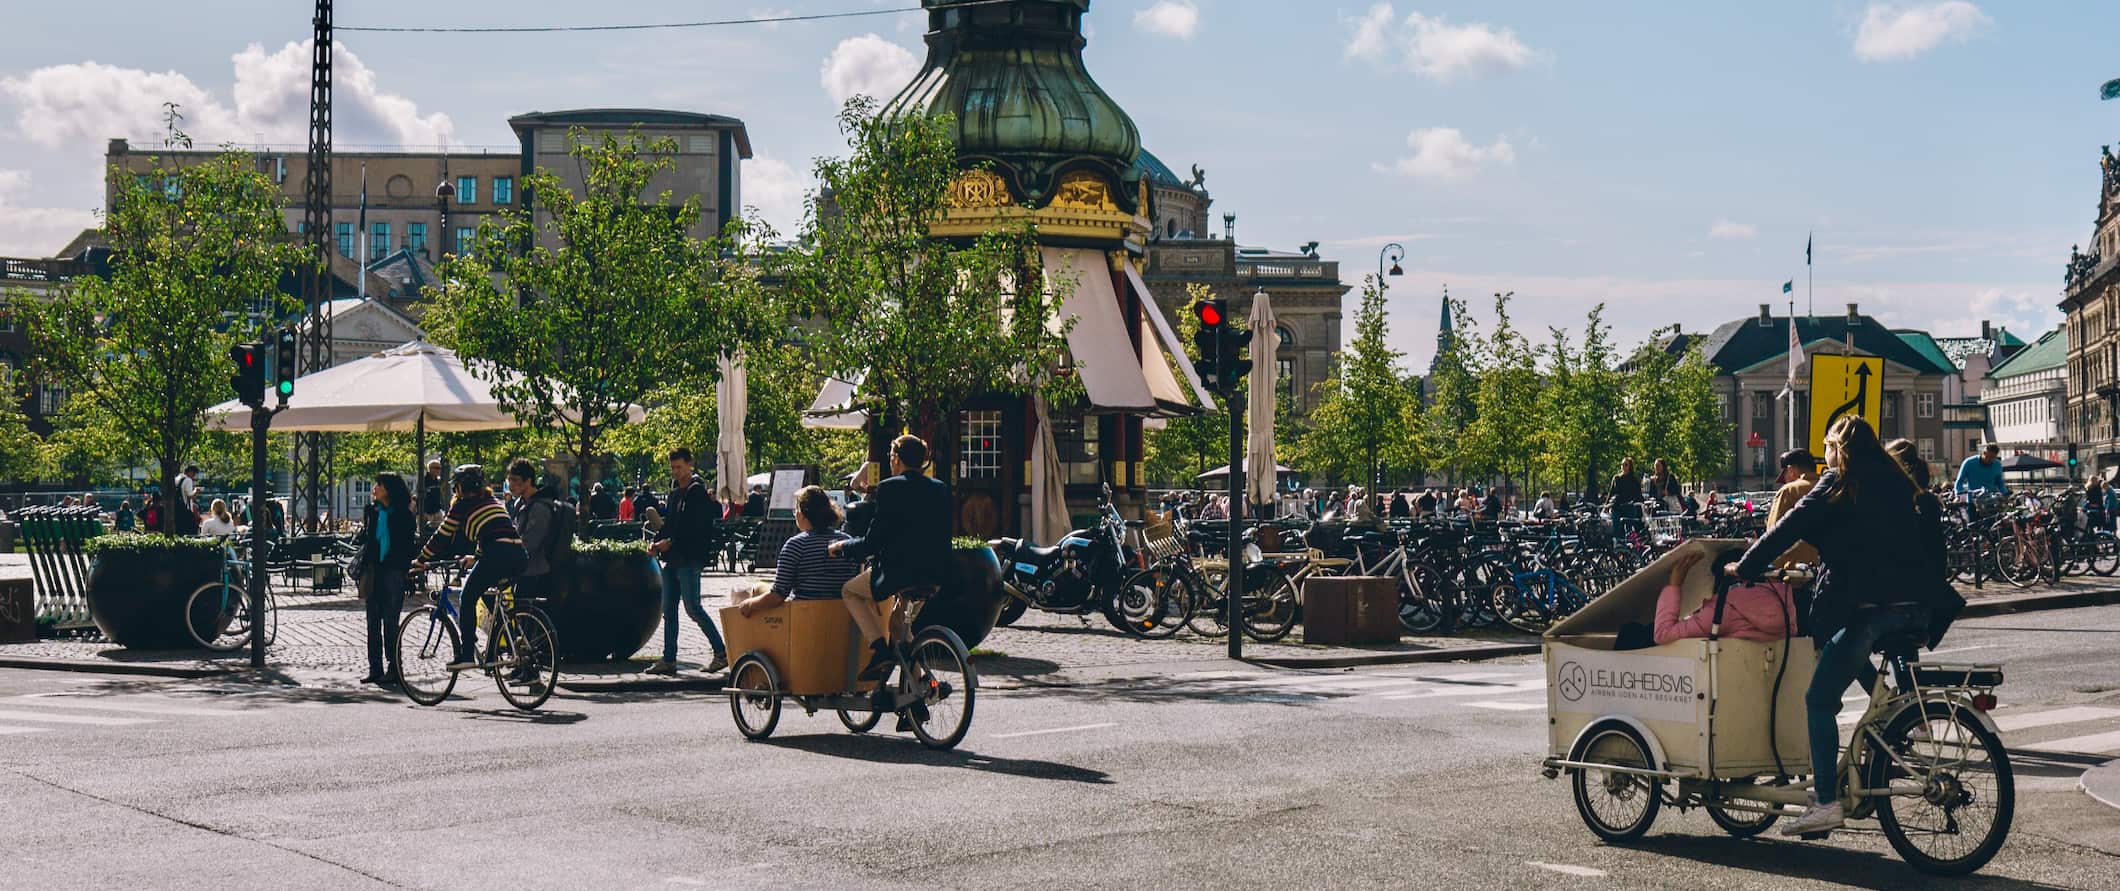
(55, 539)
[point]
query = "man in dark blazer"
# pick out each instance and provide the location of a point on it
(909, 538)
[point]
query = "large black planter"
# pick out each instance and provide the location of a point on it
(971, 601)
(137, 595)
(607, 606)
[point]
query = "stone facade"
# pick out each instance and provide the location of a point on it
(2090, 305)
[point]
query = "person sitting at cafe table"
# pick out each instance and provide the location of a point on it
(1760, 612)
(805, 571)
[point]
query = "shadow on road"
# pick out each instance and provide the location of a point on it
(1158, 690)
(2031, 762)
(885, 750)
(1821, 863)
(1015, 666)
(514, 716)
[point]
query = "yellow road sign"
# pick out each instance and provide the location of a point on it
(1844, 385)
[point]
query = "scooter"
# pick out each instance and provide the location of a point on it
(1084, 572)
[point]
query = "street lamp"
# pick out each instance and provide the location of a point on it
(443, 194)
(1395, 253)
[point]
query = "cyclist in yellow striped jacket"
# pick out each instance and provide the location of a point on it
(477, 522)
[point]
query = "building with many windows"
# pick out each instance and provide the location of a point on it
(2026, 397)
(2090, 307)
(1965, 419)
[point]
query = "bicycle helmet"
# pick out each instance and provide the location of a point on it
(468, 476)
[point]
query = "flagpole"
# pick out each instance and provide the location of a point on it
(1810, 301)
(1791, 385)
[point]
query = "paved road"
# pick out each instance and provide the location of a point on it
(1186, 775)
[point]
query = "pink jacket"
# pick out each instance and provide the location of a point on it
(1751, 612)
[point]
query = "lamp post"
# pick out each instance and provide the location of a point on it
(1393, 252)
(443, 194)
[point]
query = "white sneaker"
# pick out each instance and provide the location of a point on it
(1819, 818)
(662, 667)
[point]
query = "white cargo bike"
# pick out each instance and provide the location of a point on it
(1718, 723)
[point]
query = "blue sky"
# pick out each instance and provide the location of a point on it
(1667, 159)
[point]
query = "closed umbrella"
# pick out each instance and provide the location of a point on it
(731, 402)
(1260, 488)
(1048, 488)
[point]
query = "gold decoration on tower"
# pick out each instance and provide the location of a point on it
(1084, 190)
(975, 189)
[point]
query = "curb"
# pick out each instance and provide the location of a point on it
(93, 667)
(2102, 784)
(2024, 603)
(1447, 654)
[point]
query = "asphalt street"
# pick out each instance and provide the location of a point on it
(1208, 775)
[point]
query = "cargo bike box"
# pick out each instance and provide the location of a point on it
(1704, 709)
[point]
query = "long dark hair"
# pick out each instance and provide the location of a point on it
(1909, 457)
(395, 490)
(1864, 464)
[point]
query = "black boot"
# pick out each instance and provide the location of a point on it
(881, 659)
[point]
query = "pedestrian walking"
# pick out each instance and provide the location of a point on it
(2094, 516)
(1663, 489)
(682, 546)
(433, 499)
(385, 555)
(1626, 498)
(602, 504)
(755, 506)
(126, 520)
(539, 517)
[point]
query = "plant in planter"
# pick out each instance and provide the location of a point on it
(138, 586)
(607, 600)
(971, 598)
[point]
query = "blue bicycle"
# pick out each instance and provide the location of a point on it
(1533, 600)
(521, 650)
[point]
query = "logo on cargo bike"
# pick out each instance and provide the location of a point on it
(1659, 687)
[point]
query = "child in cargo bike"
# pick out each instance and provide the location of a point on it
(1761, 612)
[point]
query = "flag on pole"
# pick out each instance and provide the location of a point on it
(1807, 249)
(1788, 286)
(360, 259)
(2111, 90)
(1795, 353)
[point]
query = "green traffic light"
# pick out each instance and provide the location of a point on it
(287, 388)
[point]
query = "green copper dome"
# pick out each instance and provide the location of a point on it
(1012, 73)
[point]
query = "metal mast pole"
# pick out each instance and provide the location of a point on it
(311, 452)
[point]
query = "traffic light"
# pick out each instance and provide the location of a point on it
(2072, 454)
(1213, 316)
(249, 379)
(1233, 368)
(283, 369)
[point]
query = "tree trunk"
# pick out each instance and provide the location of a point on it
(172, 495)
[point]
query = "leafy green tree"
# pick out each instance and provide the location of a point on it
(1656, 412)
(1506, 429)
(22, 453)
(1582, 406)
(925, 323)
(143, 352)
(1453, 398)
(1357, 428)
(587, 303)
(1707, 434)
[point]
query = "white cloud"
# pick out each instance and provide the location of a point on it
(1433, 48)
(12, 182)
(1174, 18)
(777, 191)
(1441, 153)
(87, 102)
(34, 231)
(1727, 229)
(1892, 32)
(867, 65)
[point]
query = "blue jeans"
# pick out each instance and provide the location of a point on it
(680, 581)
(1844, 660)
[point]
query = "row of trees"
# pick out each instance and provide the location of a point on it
(598, 299)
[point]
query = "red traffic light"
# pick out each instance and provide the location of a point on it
(1209, 313)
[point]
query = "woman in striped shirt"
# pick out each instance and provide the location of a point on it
(476, 518)
(805, 570)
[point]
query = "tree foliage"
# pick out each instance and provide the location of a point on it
(924, 323)
(1581, 406)
(1358, 427)
(582, 304)
(1453, 398)
(197, 256)
(1505, 429)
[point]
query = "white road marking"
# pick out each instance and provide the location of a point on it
(1054, 730)
(1508, 706)
(5, 729)
(1568, 869)
(54, 700)
(1531, 686)
(2096, 744)
(2008, 721)
(40, 717)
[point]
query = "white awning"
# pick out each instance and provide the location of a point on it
(833, 408)
(1102, 348)
(1154, 311)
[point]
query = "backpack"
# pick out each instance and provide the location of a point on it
(564, 520)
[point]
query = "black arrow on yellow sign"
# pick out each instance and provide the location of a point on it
(1860, 405)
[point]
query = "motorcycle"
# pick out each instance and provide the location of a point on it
(1085, 572)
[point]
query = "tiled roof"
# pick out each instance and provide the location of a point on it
(2049, 352)
(1928, 346)
(1741, 344)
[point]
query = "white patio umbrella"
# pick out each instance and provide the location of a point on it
(1260, 488)
(731, 402)
(1049, 520)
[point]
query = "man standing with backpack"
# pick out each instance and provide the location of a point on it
(682, 544)
(546, 526)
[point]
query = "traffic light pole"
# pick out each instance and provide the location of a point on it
(1233, 582)
(260, 422)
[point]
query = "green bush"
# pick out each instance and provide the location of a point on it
(587, 546)
(967, 543)
(137, 542)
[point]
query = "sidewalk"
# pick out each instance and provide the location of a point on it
(2103, 783)
(321, 639)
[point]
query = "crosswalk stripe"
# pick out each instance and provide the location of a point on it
(5, 729)
(1525, 687)
(45, 718)
(2096, 743)
(2025, 720)
(1508, 706)
(55, 700)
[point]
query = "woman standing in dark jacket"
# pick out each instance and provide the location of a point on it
(386, 553)
(1862, 518)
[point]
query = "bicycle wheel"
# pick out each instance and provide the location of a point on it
(2014, 562)
(757, 708)
(1518, 607)
(942, 672)
(1963, 791)
(1617, 806)
(1208, 611)
(525, 662)
(1269, 616)
(426, 646)
(859, 722)
(272, 618)
(217, 617)
(1419, 613)
(1741, 824)
(2105, 554)
(1155, 604)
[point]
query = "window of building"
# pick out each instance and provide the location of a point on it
(7, 374)
(1076, 439)
(1891, 406)
(345, 234)
(51, 400)
(1924, 405)
(1287, 337)
(7, 318)
(979, 446)
(503, 189)
(416, 237)
(1926, 448)
(467, 190)
(378, 240)
(1285, 378)
(1762, 406)
(465, 237)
